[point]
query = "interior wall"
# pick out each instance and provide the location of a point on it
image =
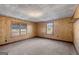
(6, 30)
(62, 29)
(76, 14)
(76, 34)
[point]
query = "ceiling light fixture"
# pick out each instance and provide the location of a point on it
(35, 13)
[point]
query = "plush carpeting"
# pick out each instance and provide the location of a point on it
(39, 46)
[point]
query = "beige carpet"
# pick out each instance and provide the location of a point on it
(39, 46)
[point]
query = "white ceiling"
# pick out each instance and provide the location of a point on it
(41, 12)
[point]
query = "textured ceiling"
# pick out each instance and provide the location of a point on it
(46, 11)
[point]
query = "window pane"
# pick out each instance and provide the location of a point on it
(49, 28)
(23, 29)
(15, 29)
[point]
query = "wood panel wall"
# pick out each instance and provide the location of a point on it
(76, 29)
(76, 14)
(5, 25)
(62, 29)
(76, 35)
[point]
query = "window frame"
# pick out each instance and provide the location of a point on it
(52, 31)
(19, 23)
(23, 28)
(12, 29)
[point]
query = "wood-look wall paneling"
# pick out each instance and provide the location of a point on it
(5, 26)
(76, 14)
(62, 30)
(2, 31)
(76, 35)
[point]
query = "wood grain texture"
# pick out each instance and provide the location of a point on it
(76, 35)
(76, 14)
(62, 30)
(5, 36)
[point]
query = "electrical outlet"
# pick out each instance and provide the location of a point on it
(5, 40)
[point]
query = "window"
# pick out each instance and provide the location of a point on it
(15, 29)
(18, 29)
(49, 28)
(23, 29)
